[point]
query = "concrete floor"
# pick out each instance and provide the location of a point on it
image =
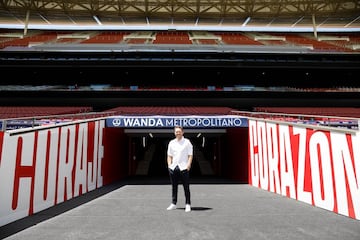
(133, 209)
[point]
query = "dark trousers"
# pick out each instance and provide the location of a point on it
(175, 176)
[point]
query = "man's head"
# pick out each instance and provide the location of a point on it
(179, 132)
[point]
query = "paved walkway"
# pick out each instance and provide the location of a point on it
(220, 210)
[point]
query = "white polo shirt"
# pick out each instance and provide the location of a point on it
(180, 151)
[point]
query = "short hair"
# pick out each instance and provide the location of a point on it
(178, 126)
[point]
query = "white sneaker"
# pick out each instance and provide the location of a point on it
(187, 208)
(171, 207)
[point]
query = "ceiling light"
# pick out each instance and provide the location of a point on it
(97, 20)
(246, 21)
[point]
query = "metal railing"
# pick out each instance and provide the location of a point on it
(48, 120)
(315, 121)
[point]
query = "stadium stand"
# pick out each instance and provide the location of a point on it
(15, 39)
(106, 37)
(237, 38)
(344, 42)
(172, 38)
(180, 110)
(140, 37)
(312, 43)
(31, 111)
(323, 111)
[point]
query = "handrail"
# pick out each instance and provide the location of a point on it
(293, 115)
(300, 117)
(36, 128)
(33, 119)
(321, 127)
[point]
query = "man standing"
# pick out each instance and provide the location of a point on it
(179, 159)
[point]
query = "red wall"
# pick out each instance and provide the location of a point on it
(115, 162)
(235, 159)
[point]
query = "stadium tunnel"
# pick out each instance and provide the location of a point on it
(220, 146)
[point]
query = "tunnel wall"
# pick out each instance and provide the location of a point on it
(115, 162)
(318, 166)
(47, 166)
(235, 164)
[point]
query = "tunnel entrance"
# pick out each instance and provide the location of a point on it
(148, 152)
(220, 144)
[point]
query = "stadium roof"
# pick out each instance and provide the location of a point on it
(217, 15)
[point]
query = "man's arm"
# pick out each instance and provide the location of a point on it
(190, 158)
(169, 160)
